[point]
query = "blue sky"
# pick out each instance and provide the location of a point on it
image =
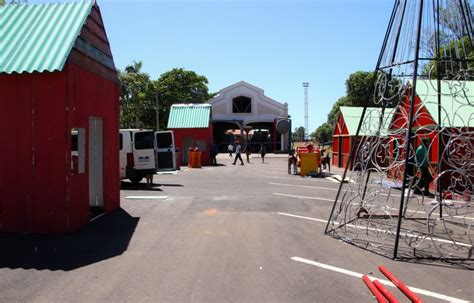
(273, 44)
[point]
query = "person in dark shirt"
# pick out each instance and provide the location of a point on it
(422, 163)
(263, 152)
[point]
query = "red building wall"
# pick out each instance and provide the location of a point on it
(205, 134)
(38, 193)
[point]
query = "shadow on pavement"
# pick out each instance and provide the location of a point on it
(140, 186)
(102, 239)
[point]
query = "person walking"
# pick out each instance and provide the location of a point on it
(214, 153)
(423, 166)
(230, 150)
(263, 152)
(238, 150)
(248, 151)
(149, 180)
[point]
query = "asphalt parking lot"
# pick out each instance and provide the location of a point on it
(228, 233)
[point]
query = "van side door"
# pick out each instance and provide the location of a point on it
(165, 151)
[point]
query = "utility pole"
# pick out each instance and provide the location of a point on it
(305, 86)
(157, 113)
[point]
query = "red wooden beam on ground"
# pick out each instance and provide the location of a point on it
(400, 285)
(385, 292)
(378, 295)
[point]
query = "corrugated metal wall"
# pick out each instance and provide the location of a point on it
(38, 193)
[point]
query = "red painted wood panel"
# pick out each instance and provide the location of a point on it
(60, 141)
(24, 150)
(38, 192)
(205, 134)
(8, 155)
(41, 103)
(346, 145)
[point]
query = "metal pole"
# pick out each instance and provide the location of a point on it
(410, 127)
(157, 113)
(354, 148)
(290, 137)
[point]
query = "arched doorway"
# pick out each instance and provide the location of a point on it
(226, 132)
(262, 133)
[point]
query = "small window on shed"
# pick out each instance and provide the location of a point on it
(78, 151)
(242, 104)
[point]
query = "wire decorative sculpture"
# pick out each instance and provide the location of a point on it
(410, 192)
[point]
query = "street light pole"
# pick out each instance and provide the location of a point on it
(157, 113)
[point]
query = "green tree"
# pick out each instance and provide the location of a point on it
(460, 49)
(332, 116)
(298, 134)
(360, 88)
(180, 86)
(137, 97)
(323, 133)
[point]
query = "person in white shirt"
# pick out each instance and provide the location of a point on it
(238, 151)
(230, 150)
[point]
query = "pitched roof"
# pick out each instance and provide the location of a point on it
(39, 37)
(457, 101)
(189, 116)
(371, 122)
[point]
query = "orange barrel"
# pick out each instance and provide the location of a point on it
(190, 158)
(197, 155)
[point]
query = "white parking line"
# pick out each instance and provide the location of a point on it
(302, 217)
(305, 179)
(381, 230)
(147, 197)
(303, 197)
(383, 281)
(302, 186)
(334, 189)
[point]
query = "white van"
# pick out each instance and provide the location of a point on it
(137, 154)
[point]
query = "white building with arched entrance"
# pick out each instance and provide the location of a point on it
(242, 112)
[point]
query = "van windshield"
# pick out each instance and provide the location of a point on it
(144, 140)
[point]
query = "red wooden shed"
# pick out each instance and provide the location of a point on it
(344, 136)
(59, 101)
(192, 127)
(447, 129)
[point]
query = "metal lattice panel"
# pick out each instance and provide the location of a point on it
(424, 129)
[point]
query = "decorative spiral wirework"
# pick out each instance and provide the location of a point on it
(411, 189)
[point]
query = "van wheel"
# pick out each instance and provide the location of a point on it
(136, 180)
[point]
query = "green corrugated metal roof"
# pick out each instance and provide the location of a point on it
(457, 101)
(189, 116)
(39, 37)
(371, 122)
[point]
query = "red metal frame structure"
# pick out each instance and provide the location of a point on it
(38, 191)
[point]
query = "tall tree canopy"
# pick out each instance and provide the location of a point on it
(136, 99)
(139, 93)
(359, 91)
(323, 133)
(180, 86)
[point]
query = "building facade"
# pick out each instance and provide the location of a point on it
(245, 108)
